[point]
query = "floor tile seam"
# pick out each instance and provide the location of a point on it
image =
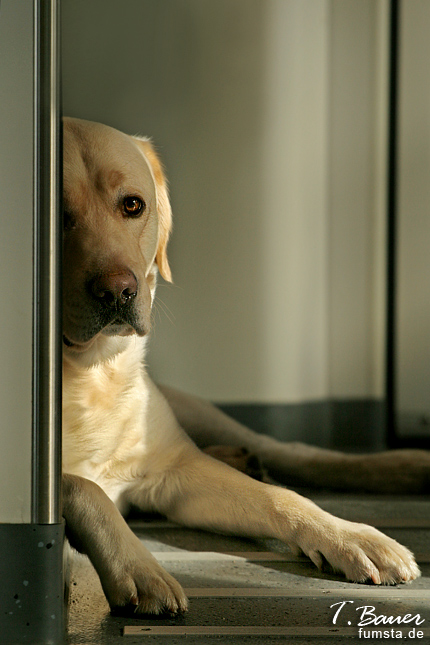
(261, 630)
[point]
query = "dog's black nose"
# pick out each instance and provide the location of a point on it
(114, 289)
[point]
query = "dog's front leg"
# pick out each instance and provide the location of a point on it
(201, 492)
(129, 574)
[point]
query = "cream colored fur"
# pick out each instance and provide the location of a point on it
(122, 442)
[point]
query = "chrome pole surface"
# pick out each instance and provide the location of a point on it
(46, 461)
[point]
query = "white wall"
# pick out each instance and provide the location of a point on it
(16, 256)
(357, 188)
(414, 212)
(268, 116)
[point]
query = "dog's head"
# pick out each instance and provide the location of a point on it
(117, 221)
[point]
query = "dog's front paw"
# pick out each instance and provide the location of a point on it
(140, 585)
(362, 554)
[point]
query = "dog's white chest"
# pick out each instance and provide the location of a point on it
(103, 416)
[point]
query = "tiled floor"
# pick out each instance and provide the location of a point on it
(244, 591)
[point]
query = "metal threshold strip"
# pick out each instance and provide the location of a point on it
(292, 632)
(359, 591)
(228, 556)
(244, 556)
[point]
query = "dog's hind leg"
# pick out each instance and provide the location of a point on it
(397, 471)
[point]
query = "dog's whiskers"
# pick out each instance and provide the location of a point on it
(160, 305)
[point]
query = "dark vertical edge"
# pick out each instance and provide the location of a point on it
(46, 460)
(390, 384)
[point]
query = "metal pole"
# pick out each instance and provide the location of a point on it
(46, 462)
(391, 436)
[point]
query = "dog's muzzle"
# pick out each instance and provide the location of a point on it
(114, 291)
(111, 305)
(113, 296)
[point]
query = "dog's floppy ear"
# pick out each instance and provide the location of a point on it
(163, 206)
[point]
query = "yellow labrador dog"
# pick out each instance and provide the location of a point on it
(125, 441)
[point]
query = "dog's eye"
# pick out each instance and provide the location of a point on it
(133, 206)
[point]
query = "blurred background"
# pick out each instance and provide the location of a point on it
(271, 117)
